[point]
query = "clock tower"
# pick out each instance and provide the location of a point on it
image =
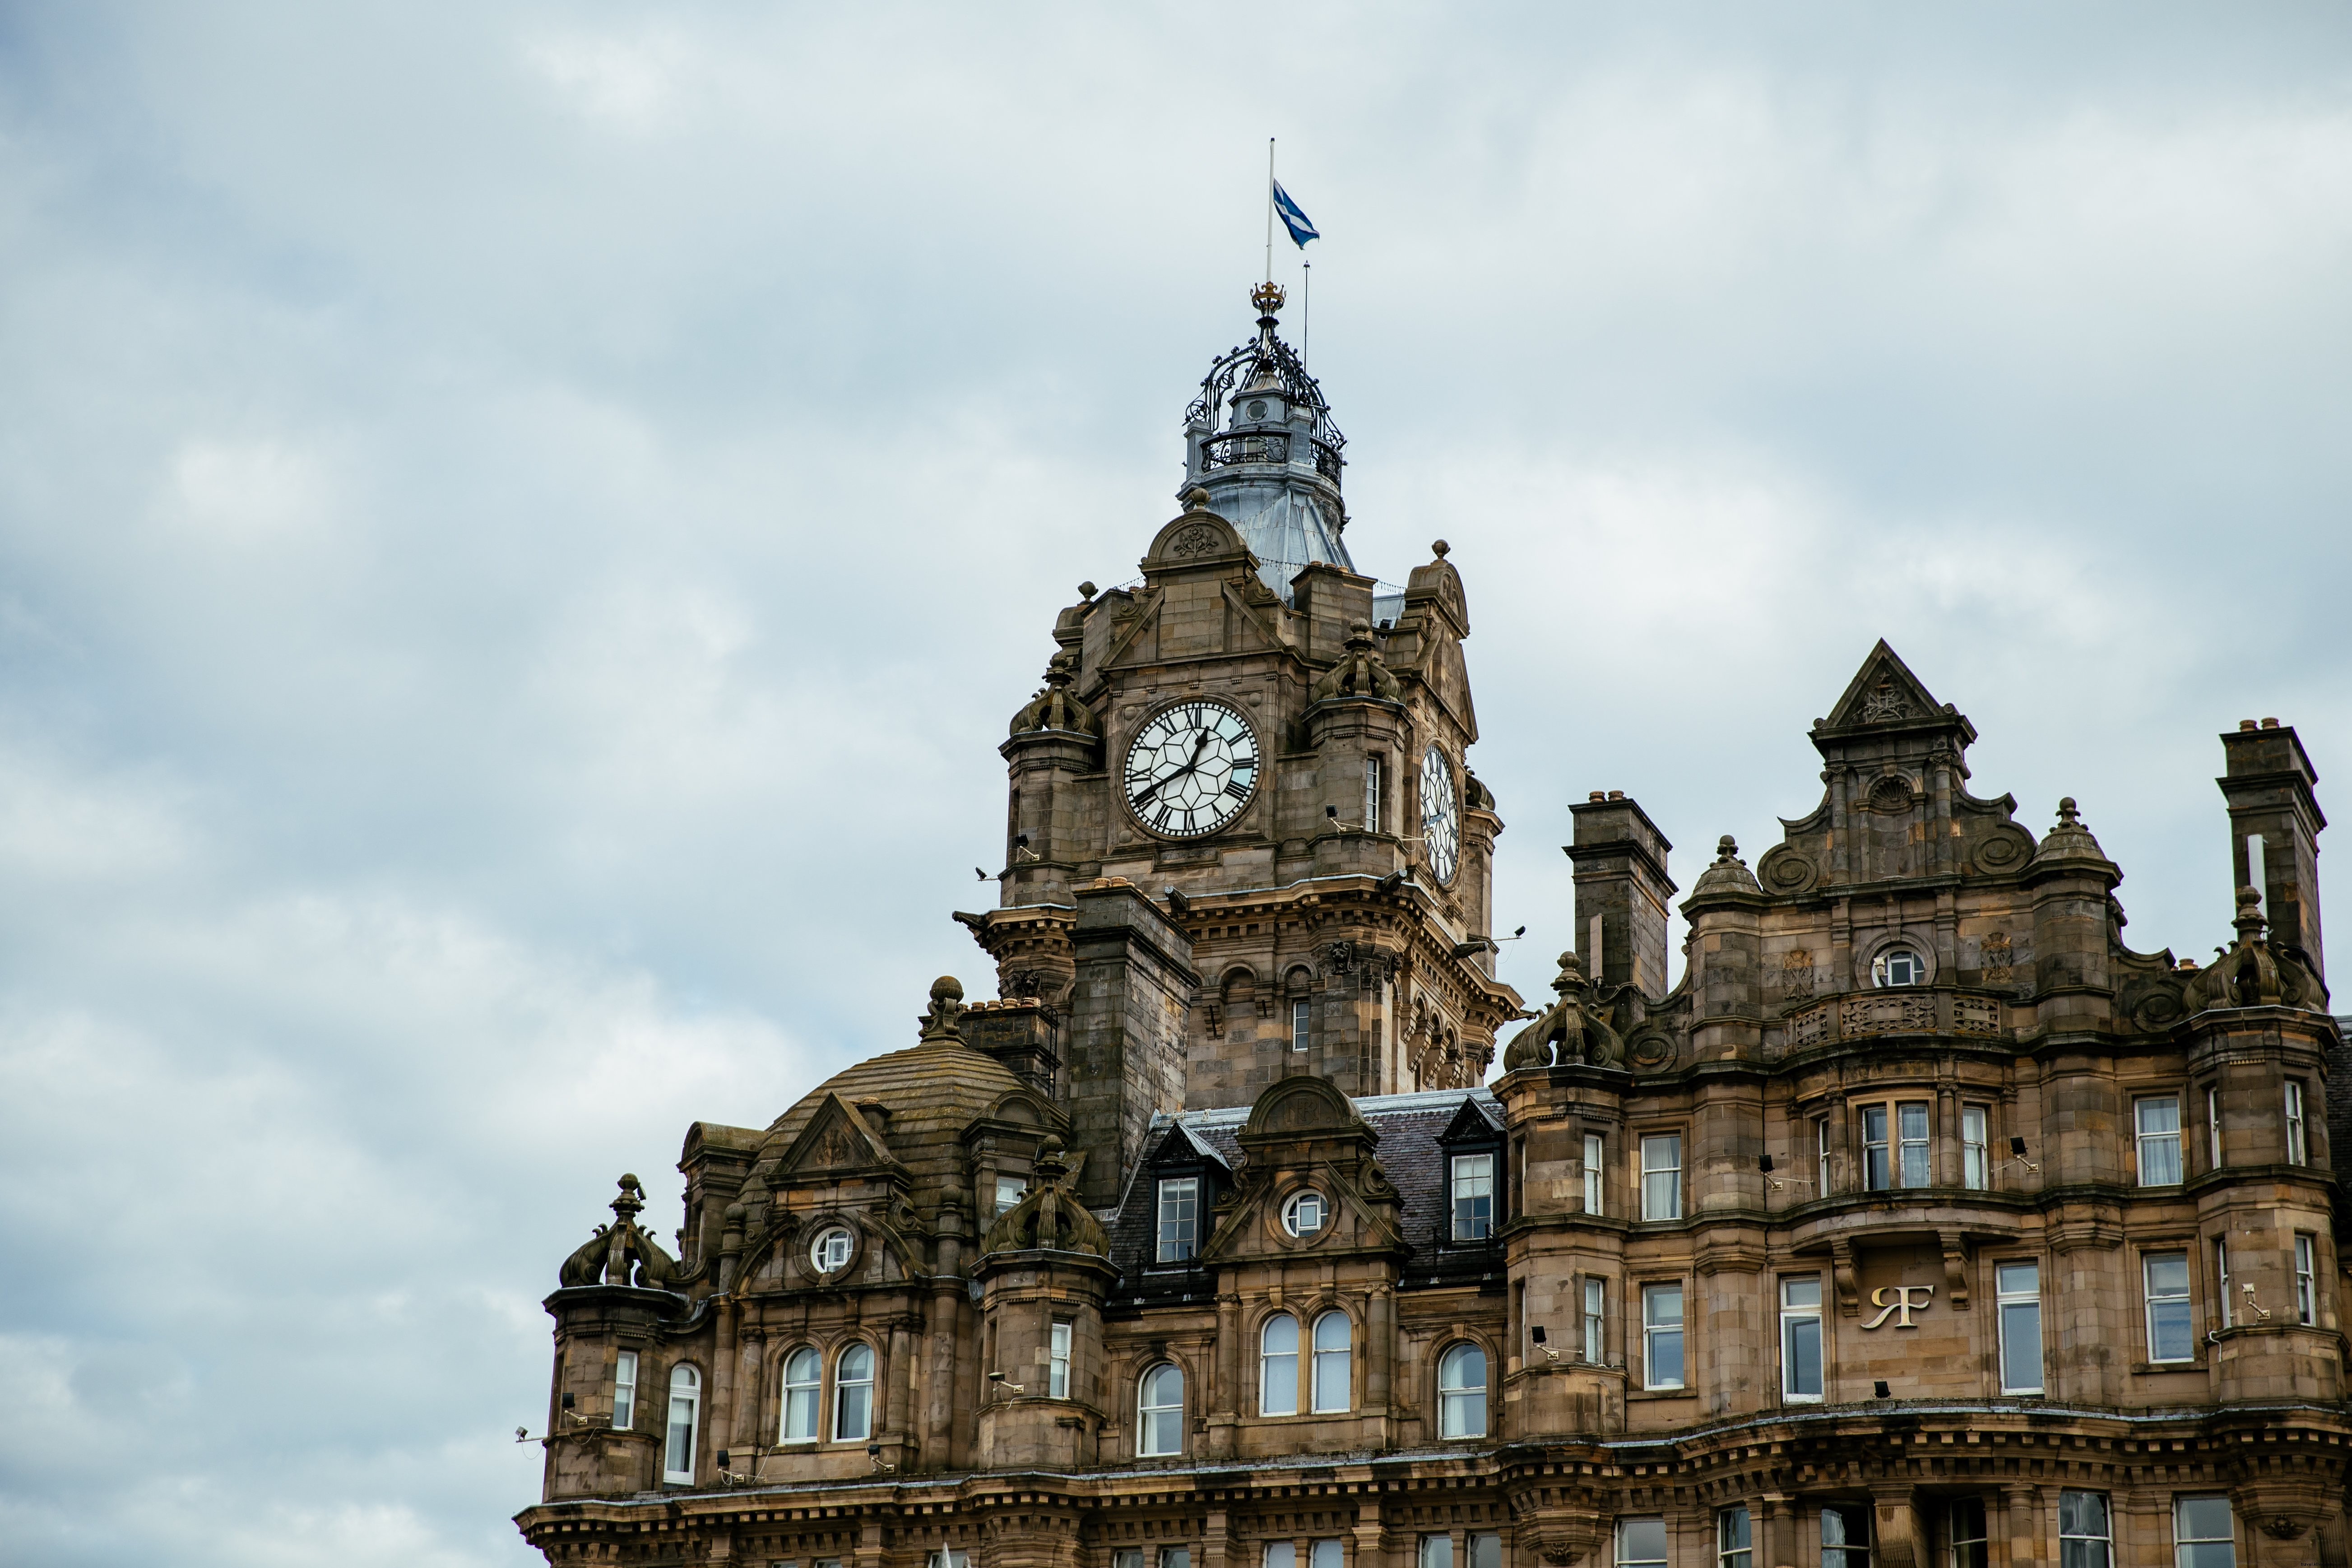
(1243, 839)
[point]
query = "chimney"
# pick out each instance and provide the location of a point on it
(1622, 891)
(2274, 824)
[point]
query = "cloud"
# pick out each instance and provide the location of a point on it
(521, 527)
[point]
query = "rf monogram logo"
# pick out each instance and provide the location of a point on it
(1902, 1303)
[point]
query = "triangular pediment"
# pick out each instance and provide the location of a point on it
(1884, 692)
(1471, 1124)
(1180, 1149)
(836, 1139)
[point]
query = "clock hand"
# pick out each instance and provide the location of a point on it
(1168, 778)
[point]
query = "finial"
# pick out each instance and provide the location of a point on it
(1085, 590)
(1571, 974)
(2249, 921)
(1268, 297)
(1196, 500)
(2066, 814)
(1440, 549)
(632, 1201)
(947, 1004)
(1726, 847)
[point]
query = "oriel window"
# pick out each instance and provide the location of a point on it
(2157, 1121)
(2017, 1287)
(1180, 1213)
(2085, 1536)
(1662, 1336)
(1975, 1168)
(2165, 1279)
(1734, 1539)
(1473, 1196)
(1662, 1176)
(1845, 1536)
(2203, 1533)
(1968, 1523)
(1800, 1338)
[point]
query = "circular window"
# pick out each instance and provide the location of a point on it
(1899, 966)
(1304, 1214)
(830, 1253)
(1257, 410)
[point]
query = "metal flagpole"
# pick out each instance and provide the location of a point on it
(1306, 306)
(1269, 209)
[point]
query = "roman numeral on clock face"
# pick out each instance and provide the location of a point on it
(1191, 769)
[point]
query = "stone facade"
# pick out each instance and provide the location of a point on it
(1916, 1218)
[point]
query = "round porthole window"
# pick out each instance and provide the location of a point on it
(831, 1252)
(1899, 966)
(1304, 1214)
(1257, 410)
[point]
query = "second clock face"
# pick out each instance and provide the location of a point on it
(1191, 769)
(1441, 815)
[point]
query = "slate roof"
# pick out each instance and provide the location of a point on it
(1408, 1126)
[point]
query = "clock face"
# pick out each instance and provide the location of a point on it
(1191, 769)
(1441, 815)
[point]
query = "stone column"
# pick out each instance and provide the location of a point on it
(1380, 1329)
(2021, 1525)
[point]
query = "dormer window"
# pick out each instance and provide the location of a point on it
(1473, 1196)
(1180, 1219)
(1899, 966)
(831, 1250)
(1304, 1214)
(1010, 1191)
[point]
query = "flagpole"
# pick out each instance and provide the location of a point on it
(1269, 209)
(1306, 306)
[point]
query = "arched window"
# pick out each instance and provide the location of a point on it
(1159, 1412)
(801, 1377)
(1899, 966)
(1277, 1366)
(685, 1424)
(853, 1395)
(1332, 1335)
(1462, 1392)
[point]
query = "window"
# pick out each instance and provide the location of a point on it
(1159, 1412)
(624, 1391)
(1845, 1536)
(1662, 1336)
(1912, 1122)
(1800, 1338)
(1010, 1191)
(1596, 1165)
(1277, 1366)
(830, 1252)
(2307, 1297)
(2222, 1278)
(1486, 1552)
(2295, 1143)
(2016, 1289)
(1127, 1557)
(1734, 1546)
(2166, 1278)
(1057, 1363)
(1662, 1176)
(1822, 1156)
(1436, 1552)
(1974, 1167)
(1640, 1543)
(1333, 1336)
(1279, 1555)
(1180, 1213)
(2203, 1534)
(2213, 1126)
(1330, 1554)
(1371, 794)
(1301, 1013)
(1595, 1296)
(2158, 1122)
(685, 1424)
(1175, 1557)
(1303, 1215)
(2085, 1539)
(1462, 1392)
(1473, 1196)
(1877, 1167)
(949, 1558)
(1899, 966)
(853, 1394)
(1969, 1541)
(801, 1395)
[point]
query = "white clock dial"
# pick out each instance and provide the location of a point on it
(1191, 769)
(1441, 815)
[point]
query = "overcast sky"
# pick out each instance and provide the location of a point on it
(521, 527)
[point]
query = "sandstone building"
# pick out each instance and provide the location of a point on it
(1912, 1217)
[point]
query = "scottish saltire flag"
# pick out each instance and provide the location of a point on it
(1301, 227)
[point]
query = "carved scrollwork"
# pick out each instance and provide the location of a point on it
(1786, 871)
(2003, 849)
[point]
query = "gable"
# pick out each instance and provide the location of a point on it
(837, 1142)
(1884, 692)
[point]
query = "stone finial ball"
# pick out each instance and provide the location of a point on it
(1085, 590)
(946, 987)
(1726, 847)
(1196, 500)
(1440, 549)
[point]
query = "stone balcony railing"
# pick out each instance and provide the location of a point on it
(1906, 1010)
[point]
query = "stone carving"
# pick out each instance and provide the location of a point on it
(1996, 956)
(1975, 1015)
(1055, 707)
(2254, 973)
(1360, 672)
(1797, 974)
(1884, 703)
(1897, 1013)
(1785, 870)
(1813, 1026)
(1891, 796)
(620, 1253)
(1568, 1030)
(1195, 540)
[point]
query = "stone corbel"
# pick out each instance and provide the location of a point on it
(1849, 1291)
(1956, 1269)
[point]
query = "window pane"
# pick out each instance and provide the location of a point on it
(2205, 1519)
(1486, 1552)
(1436, 1552)
(2021, 1347)
(1473, 1196)
(1595, 1163)
(1731, 1529)
(1801, 1347)
(1280, 1554)
(1179, 1211)
(1641, 1541)
(1877, 1166)
(1327, 1554)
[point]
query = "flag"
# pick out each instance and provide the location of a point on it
(1301, 227)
